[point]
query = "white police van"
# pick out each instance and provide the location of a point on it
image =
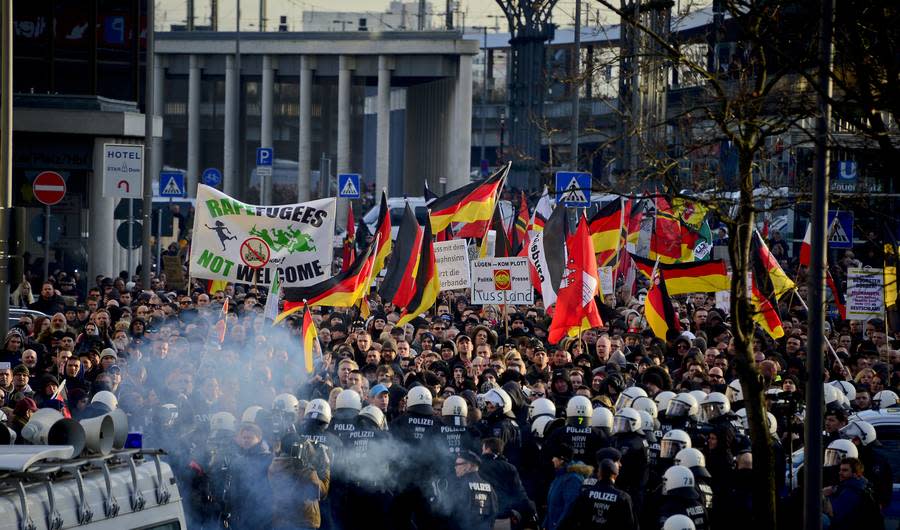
(45, 487)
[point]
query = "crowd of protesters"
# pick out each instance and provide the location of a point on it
(464, 418)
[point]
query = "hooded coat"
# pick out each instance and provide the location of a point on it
(564, 491)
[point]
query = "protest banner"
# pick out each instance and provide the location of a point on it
(245, 243)
(865, 293)
(501, 281)
(452, 259)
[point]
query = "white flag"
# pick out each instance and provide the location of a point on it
(271, 311)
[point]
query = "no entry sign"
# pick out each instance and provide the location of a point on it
(49, 188)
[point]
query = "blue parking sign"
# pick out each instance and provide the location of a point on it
(264, 156)
(840, 232)
(348, 186)
(573, 189)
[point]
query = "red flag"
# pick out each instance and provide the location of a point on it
(665, 244)
(576, 309)
(804, 246)
(349, 253)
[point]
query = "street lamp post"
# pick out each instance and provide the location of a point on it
(484, 98)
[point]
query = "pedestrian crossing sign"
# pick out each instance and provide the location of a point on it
(840, 229)
(171, 184)
(348, 186)
(573, 189)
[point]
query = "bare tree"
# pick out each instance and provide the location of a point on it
(744, 99)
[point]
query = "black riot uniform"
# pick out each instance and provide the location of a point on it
(460, 438)
(368, 494)
(507, 484)
(683, 501)
(473, 502)
(343, 423)
(580, 437)
(703, 481)
(418, 475)
(634, 474)
(498, 425)
(601, 506)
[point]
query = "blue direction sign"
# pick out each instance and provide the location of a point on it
(211, 176)
(348, 186)
(171, 184)
(840, 233)
(573, 188)
(264, 156)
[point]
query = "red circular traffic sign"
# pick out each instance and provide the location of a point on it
(49, 187)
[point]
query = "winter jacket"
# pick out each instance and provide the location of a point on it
(854, 506)
(296, 492)
(563, 491)
(600, 506)
(251, 496)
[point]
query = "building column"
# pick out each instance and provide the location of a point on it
(383, 136)
(156, 162)
(265, 133)
(304, 154)
(101, 225)
(459, 159)
(193, 143)
(229, 159)
(343, 129)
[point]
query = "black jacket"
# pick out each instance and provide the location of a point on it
(635, 468)
(684, 501)
(505, 480)
(600, 506)
(251, 498)
(473, 502)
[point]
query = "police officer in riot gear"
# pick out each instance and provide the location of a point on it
(628, 440)
(472, 500)
(680, 496)
(680, 413)
(601, 425)
(343, 424)
(601, 505)
(694, 460)
(420, 476)
(458, 435)
(499, 422)
(368, 493)
(577, 432)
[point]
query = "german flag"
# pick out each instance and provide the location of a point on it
(607, 228)
(576, 305)
(383, 233)
(767, 273)
(519, 236)
(693, 277)
(399, 278)
(310, 340)
(427, 284)
(222, 325)
(765, 314)
(468, 204)
(665, 243)
(658, 309)
(214, 286)
(348, 255)
(342, 290)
